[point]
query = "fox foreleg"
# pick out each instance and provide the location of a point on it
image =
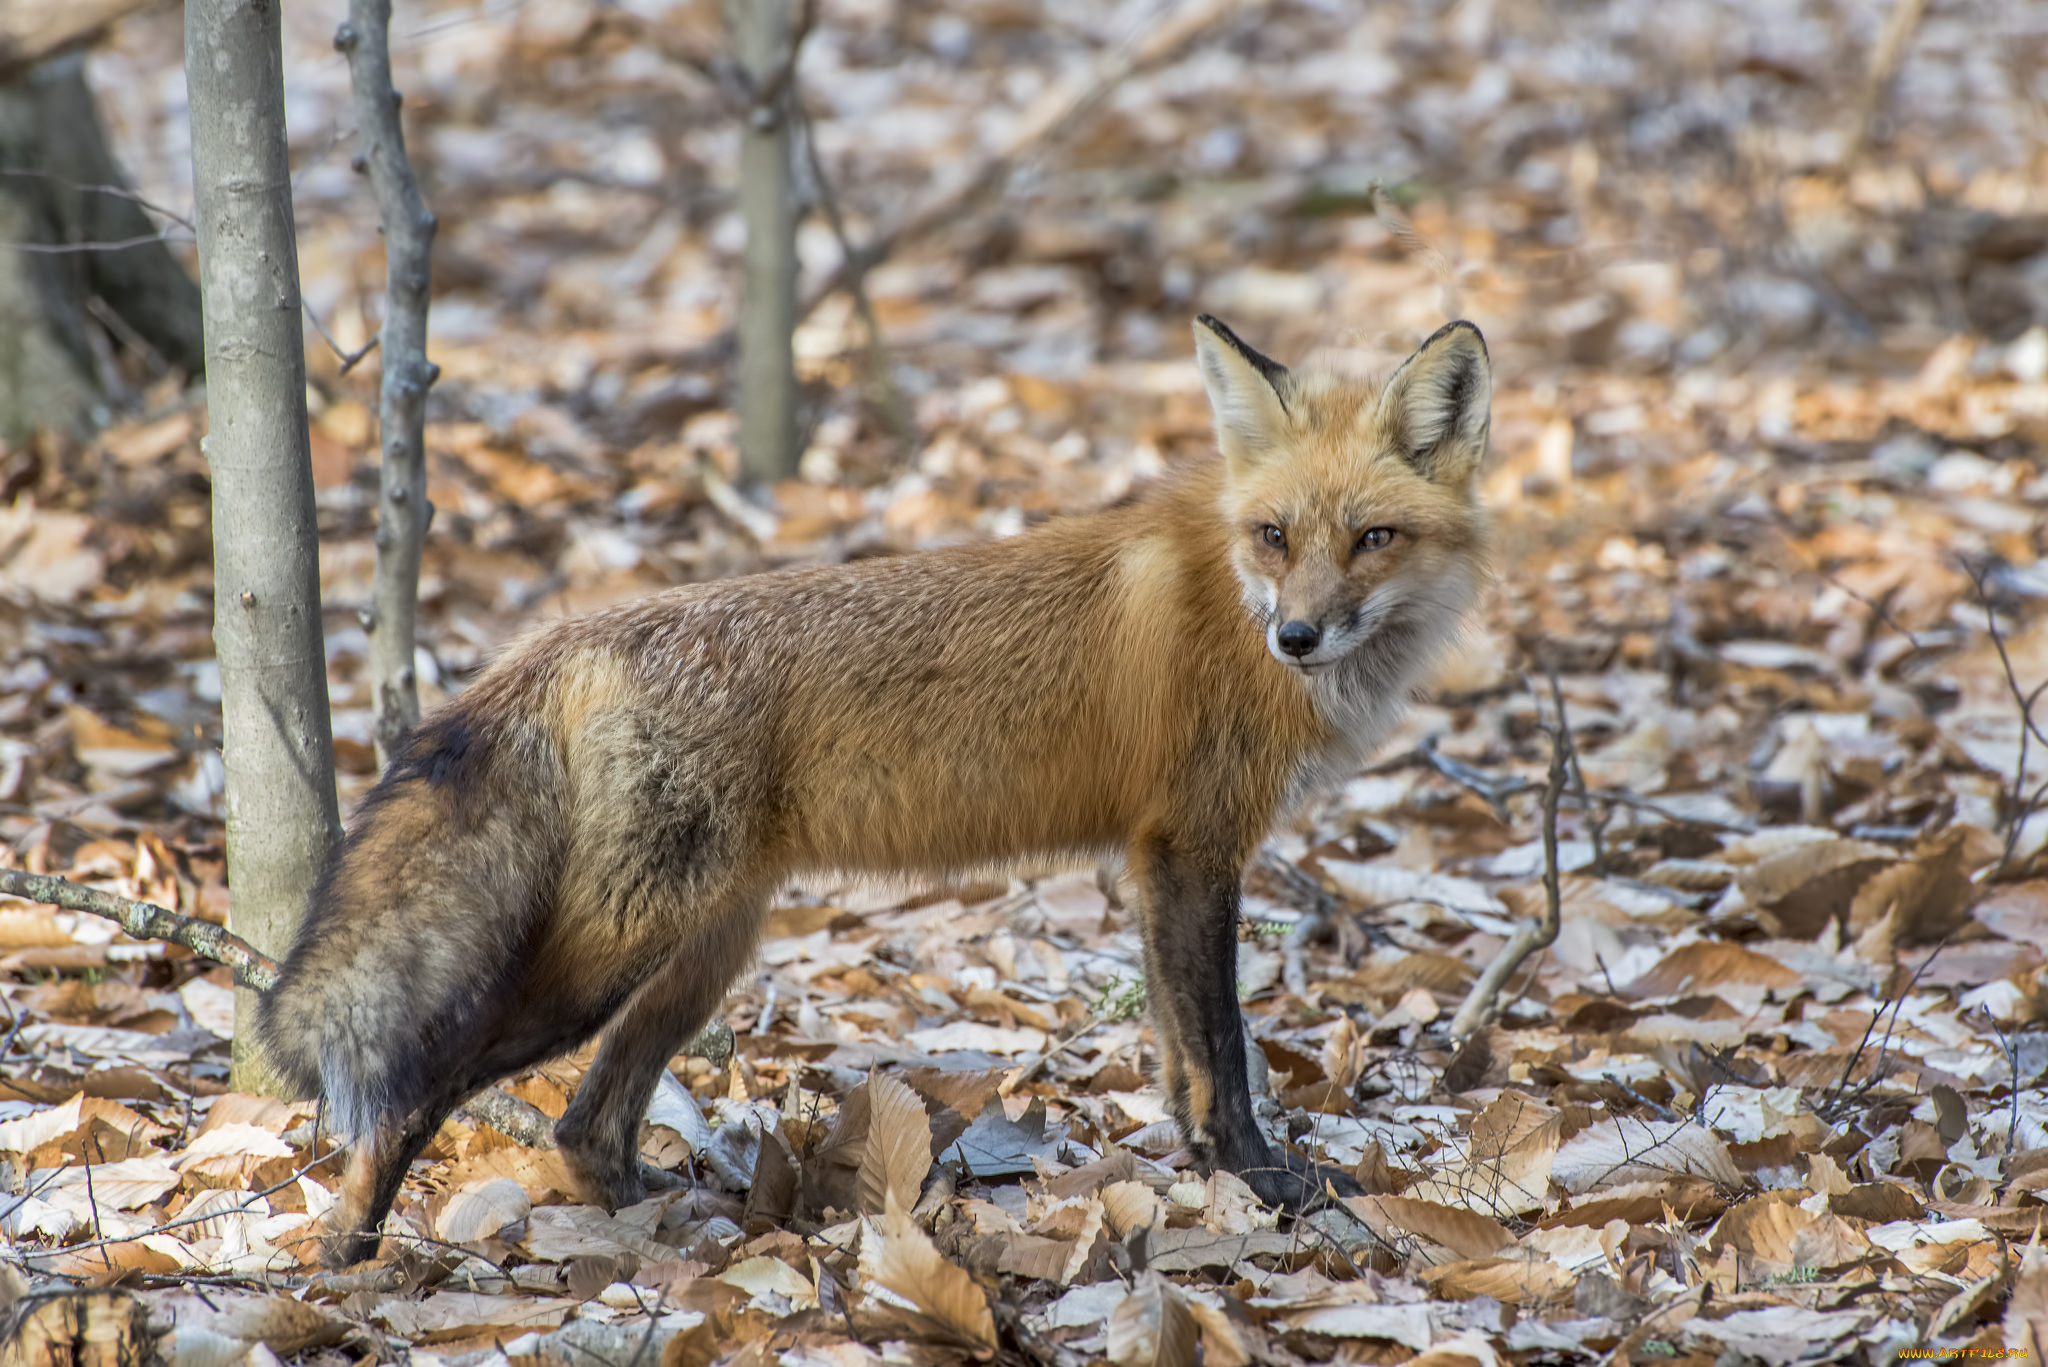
(1189, 910)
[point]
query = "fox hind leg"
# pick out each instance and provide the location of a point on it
(599, 1135)
(377, 1164)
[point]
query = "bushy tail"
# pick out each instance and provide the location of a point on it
(348, 1032)
(411, 935)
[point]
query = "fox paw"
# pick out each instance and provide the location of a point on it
(1292, 1183)
(346, 1248)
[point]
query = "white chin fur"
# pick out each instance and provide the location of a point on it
(1363, 696)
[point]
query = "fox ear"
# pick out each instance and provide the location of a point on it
(1439, 404)
(1246, 390)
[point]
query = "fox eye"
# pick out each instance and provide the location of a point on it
(1376, 539)
(1273, 537)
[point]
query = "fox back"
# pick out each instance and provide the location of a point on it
(590, 833)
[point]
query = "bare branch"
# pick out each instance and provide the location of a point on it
(888, 398)
(1596, 817)
(1052, 123)
(1878, 610)
(1839, 1098)
(1531, 935)
(148, 921)
(402, 511)
(1496, 789)
(349, 359)
(117, 191)
(2023, 804)
(1492, 789)
(75, 248)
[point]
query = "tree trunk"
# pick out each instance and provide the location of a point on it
(763, 35)
(282, 820)
(402, 509)
(78, 239)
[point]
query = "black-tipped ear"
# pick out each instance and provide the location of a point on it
(1247, 390)
(1440, 403)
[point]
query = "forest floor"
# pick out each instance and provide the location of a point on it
(1770, 459)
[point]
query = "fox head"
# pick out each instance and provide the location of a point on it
(1352, 517)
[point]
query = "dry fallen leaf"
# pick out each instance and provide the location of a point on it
(1152, 1327)
(898, 1149)
(480, 1209)
(1428, 1233)
(1626, 1149)
(946, 1298)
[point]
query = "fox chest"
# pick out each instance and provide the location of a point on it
(1359, 712)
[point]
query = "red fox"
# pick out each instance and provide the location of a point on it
(587, 838)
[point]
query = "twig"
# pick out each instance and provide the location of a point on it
(1496, 789)
(2012, 1061)
(72, 248)
(1622, 798)
(402, 510)
(1886, 56)
(1492, 789)
(1530, 935)
(881, 378)
(247, 1202)
(349, 359)
(2022, 805)
(1657, 1109)
(1879, 611)
(125, 334)
(92, 1201)
(1596, 819)
(1832, 1103)
(7, 1046)
(117, 191)
(147, 921)
(1023, 1073)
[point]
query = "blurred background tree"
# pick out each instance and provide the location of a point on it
(92, 301)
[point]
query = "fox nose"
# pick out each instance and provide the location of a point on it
(1298, 638)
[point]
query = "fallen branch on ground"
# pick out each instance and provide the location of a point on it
(148, 921)
(1495, 789)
